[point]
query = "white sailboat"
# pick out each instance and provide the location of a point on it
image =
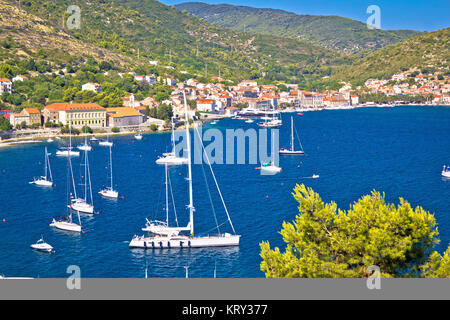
(109, 192)
(106, 143)
(67, 152)
(47, 179)
(66, 223)
(270, 168)
(82, 204)
(162, 227)
(190, 241)
(273, 122)
(85, 146)
(292, 151)
(138, 136)
(170, 158)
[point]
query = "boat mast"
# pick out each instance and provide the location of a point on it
(173, 136)
(45, 164)
(292, 134)
(110, 165)
(167, 199)
(188, 141)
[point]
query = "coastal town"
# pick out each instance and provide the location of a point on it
(214, 99)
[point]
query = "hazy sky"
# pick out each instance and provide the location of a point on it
(420, 15)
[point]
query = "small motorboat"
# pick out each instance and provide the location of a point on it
(249, 121)
(138, 136)
(41, 245)
(214, 122)
(84, 147)
(105, 144)
(65, 153)
(50, 140)
(269, 168)
(446, 172)
(315, 176)
(93, 139)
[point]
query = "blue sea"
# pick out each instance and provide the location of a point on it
(399, 151)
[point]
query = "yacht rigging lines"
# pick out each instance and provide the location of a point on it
(66, 223)
(82, 204)
(292, 151)
(46, 180)
(170, 158)
(163, 239)
(109, 192)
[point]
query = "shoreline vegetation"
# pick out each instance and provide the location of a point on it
(38, 138)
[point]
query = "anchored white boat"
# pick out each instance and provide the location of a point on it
(109, 192)
(50, 140)
(274, 122)
(41, 245)
(170, 158)
(47, 179)
(162, 227)
(106, 143)
(85, 146)
(83, 204)
(138, 136)
(249, 121)
(93, 139)
(270, 168)
(189, 241)
(67, 152)
(66, 223)
(446, 172)
(292, 151)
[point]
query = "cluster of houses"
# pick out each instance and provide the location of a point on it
(216, 98)
(422, 84)
(220, 99)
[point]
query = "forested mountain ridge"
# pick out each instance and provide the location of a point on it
(148, 30)
(427, 53)
(331, 32)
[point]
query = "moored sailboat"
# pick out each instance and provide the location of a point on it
(47, 179)
(109, 192)
(189, 241)
(292, 151)
(66, 223)
(170, 158)
(82, 204)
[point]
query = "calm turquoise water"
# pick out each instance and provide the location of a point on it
(399, 151)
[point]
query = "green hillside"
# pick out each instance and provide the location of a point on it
(148, 30)
(427, 53)
(331, 32)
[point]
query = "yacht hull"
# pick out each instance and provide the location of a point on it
(184, 242)
(66, 226)
(172, 160)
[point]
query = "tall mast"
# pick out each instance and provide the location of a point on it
(173, 136)
(292, 134)
(110, 165)
(167, 199)
(191, 197)
(45, 163)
